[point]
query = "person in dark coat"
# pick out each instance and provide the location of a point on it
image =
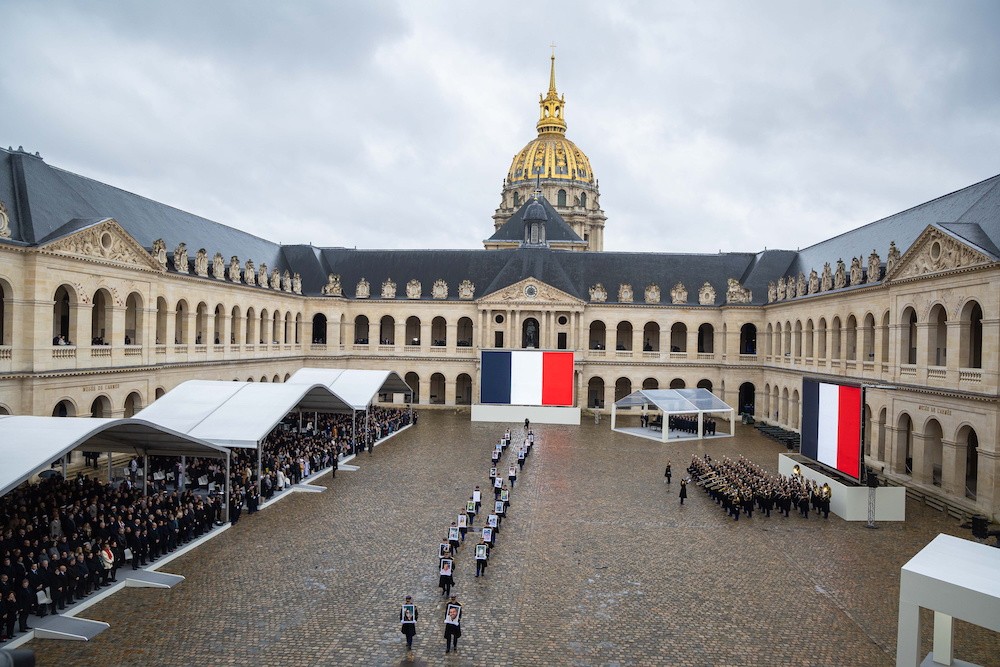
(446, 581)
(667, 473)
(452, 624)
(684, 490)
(408, 626)
(26, 599)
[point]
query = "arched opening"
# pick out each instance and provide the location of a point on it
(650, 383)
(298, 329)
(776, 405)
(276, 378)
(851, 335)
(704, 384)
(276, 336)
(63, 316)
(529, 333)
(970, 344)
(706, 339)
(809, 336)
(583, 199)
(4, 411)
(598, 336)
(767, 400)
(101, 318)
(133, 403)
(933, 451)
(779, 348)
(64, 408)
(908, 337)
(677, 383)
(413, 381)
(561, 199)
(463, 389)
(747, 398)
(6, 312)
(437, 389)
(787, 340)
(623, 387)
(623, 336)
(387, 330)
(361, 330)
(821, 339)
(219, 325)
(101, 407)
(770, 340)
(133, 319)
(464, 332)
(937, 337)
(236, 322)
(180, 323)
(265, 326)
(784, 404)
(835, 349)
(880, 442)
(201, 335)
(158, 394)
(289, 333)
(866, 416)
(161, 321)
(793, 408)
(413, 330)
(885, 337)
(967, 436)
(287, 376)
(517, 200)
(678, 337)
(319, 329)
(251, 332)
(651, 337)
(904, 442)
(595, 392)
(797, 341)
(868, 339)
(748, 339)
(439, 332)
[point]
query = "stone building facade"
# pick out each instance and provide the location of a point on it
(108, 300)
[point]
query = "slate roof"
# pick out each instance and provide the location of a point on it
(556, 228)
(45, 203)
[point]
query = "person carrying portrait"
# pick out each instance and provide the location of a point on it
(452, 624)
(408, 615)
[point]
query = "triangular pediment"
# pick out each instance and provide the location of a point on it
(530, 291)
(104, 242)
(936, 251)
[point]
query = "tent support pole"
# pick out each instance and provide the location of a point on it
(614, 415)
(664, 426)
(179, 482)
(145, 473)
(228, 493)
(109, 468)
(64, 464)
(260, 468)
(300, 421)
(701, 424)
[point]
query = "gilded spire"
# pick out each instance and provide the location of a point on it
(551, 107)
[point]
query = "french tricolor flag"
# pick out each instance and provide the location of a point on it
(831, 425)
(526, 377)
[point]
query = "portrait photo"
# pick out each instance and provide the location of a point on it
(446, 565)
(470, 506)
(498, 507)
(491, 521)
(488, 535)
(453, 615)
(463, 521)
(505, 495)
(498, 483)
(512, 471)
(493, 472)
(477, 496)
(453, 533)
(443, 549)
(480, 552)
(408, 613)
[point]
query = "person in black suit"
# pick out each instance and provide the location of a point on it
(408, 623)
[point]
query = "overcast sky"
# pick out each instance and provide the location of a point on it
(711, 125)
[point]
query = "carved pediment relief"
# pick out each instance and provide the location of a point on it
(105, 242)
(530, 291)
(935, 252)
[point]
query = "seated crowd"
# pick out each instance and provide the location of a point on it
(740, 485)
(69, 537)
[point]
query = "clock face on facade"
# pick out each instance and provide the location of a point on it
(530, 291)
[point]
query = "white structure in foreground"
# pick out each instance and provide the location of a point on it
(955, 578)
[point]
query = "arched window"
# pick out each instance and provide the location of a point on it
(133, 319)
(161, 321)
(933, 451)
(133, 403)
(530, 333)
(236, 324)
(439, 332)
(413, 382)
(623, 387)
(705, 384)
(835, 350)
(770, 339)
(387, 331)
(360, 330)
(810, 334)
(251, 332)
(598, 338)
(747, 398)
(748, 339)
(706, 339)
(464, 332)
(101, 318)
(595, 392)
(202, 334)
(298, 328)
(650, 383)
(463, 389)
(583, 199)
(219, 328)
(651, 337)
(437, 389)
(821, 339)
(6, 311)
(677, 383)
(63, 315)
(967, 436)
(265, 326)
(937, 337)
(561, 199)
(517, 200)
(852, 338)
(319, 329)
(678, 337)
(908, 337)
(868, 339)
(412, 330)
(623, 337)
(970, 344)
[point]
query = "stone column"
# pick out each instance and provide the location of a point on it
(425, 334)
(922, 352)
(449, 391)
(451, 333)
(425, 391)
(637, 340)
(957, 331)
(921, 461)
(399, 334)
(988, 482)
(953, 467)
(692, 341)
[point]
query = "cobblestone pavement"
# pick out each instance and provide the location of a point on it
(597, 564)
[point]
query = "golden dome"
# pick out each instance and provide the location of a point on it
(551, 156)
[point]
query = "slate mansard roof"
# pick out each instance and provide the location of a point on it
(45, 203)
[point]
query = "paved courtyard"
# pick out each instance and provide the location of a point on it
(597, 564)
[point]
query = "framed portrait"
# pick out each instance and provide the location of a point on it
(446, 566)
(480, 552)
(463, 521)
(408, 613)
(488, 535)
(453, 533)
(512, 471)
(498, 507)
(493, 472)
(505, 495)
(470, 506)
(453, 615)
(497, 483)
(477, 496)
(491, 521)
(520, 455)
(443, 549)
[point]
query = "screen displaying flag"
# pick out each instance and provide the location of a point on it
(831, 425)
(526, 377)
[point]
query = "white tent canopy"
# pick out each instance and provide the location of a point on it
(672, 402)
(29, 444)
(237, 414)
(357, 387)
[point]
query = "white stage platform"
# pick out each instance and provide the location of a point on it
(850, 503)
(955, 578)
(518, 413)
(672, 435)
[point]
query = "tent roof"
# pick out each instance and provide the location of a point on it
(356, 387)
(29, 444)
(676, 400)
(237, 414)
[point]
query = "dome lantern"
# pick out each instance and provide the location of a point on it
(551, 107)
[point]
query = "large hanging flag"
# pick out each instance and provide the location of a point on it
(831, 425)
